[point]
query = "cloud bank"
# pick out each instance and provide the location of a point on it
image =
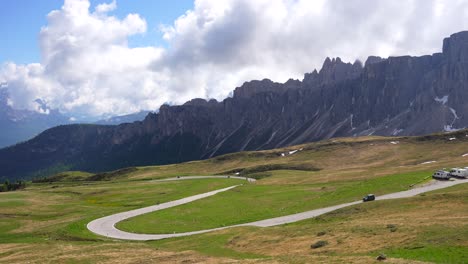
(88, 68)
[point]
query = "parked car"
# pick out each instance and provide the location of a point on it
(441, 175)
(368, 198)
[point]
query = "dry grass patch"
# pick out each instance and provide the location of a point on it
(102, 253)
(434, 219)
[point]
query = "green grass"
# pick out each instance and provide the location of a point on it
(434, 242)
(212, 245)
(435, 254)
(437, 243)
(11, 203)
(64, 210)
(65, 176)
(48, 220)
(257, 202)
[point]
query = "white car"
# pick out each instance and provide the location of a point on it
(441, 175)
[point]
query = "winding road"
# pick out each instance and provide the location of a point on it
(105, 226)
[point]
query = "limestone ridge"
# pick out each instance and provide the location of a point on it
(393, 96)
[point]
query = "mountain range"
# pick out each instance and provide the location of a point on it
(19, 125)
(117, 120)
(392, 96)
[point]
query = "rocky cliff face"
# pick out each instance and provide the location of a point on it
(394, 96)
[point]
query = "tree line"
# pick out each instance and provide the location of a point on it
(8, 186)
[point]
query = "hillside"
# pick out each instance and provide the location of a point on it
(395, 96)
(48, 220)
(325, 160)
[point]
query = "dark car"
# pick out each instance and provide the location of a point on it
(369, 197)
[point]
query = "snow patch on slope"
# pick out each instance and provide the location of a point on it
(442, 100)
(290, 152)
(352, 127)
(450, 128)
(397, 131)
(427, 162)
(455, 116)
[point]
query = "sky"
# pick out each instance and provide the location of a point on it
(105, 57)
(21, 21)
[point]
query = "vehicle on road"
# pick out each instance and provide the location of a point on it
(441, 175)
(459, 173)
(368, 198)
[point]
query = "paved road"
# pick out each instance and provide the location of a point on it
(106, 226)
(205, 177)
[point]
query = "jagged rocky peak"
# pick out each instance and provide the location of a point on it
(254, 87)
(311, 77)
(331, 63)
(373, 59)
(455, 47)
(293, 84)
(164, 107)
(201, 102)
(333, 71)
(357, 64)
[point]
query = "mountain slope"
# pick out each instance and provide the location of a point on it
(395, 96)
(117, 120)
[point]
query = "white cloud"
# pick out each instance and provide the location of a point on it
(224, 43)
(87, 66)
(104, 8)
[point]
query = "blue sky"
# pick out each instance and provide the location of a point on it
(21, 21)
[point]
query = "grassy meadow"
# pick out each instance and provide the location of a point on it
(46, 222)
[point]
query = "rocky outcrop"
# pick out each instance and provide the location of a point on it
(333, 71)
(393, 96)
(373, 59)
(248, 89)
(454, 48)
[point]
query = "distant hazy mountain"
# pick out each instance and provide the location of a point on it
(21, 125)
(395, 96)
(117, 120)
